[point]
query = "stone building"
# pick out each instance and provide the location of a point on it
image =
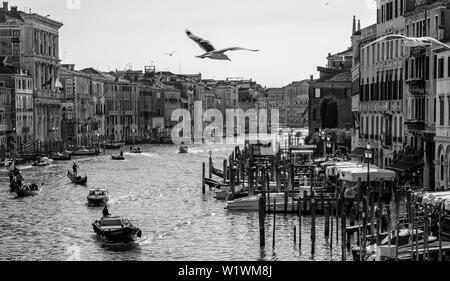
(297, 97)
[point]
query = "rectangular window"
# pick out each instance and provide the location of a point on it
(407, 30)
(448, 67)
(441, 68)
(436, 26)
(434, 110)
(448, 112)
(441, 111)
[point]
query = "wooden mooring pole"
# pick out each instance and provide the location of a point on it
(327, 221)
(262, 237)
(274, 222)
(203, 179)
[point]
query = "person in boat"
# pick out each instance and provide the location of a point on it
(74, 167)
(106, 212)
(131, 148)
(121, 153)
(19, 179)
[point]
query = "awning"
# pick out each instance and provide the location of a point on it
(405, 166)
(359, 152)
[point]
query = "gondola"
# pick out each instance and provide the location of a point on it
(217, 172)
(27, 190)
(77, 180)
(135, 150)
(212, 183)
(116, 229)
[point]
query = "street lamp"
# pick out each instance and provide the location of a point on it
(328, 145)
(369, 156)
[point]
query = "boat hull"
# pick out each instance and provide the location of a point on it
(244, 204)
(97, 201)
(26, 193)
(117, 157)
(124, 234)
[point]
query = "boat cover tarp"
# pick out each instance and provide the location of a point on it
(404, 166)
(436, 198)
(350, 171)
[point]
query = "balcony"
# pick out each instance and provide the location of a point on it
(378, 106)
(4, 128)
(26, 130)
(396, 106)
(416, 86)
(47, 97)
(415, 124)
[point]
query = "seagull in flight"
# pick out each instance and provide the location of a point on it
(211, 52)
(170, 54)
(411, 41)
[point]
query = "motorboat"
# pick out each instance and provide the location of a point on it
(61, 157)
(85, 152)
(135, 150)
(77, 180)
(112, 145)
(44, 161)
(386, 252)
(184, 149)
(117, 157)
(116, 229)
(97, 197)
(249, 203)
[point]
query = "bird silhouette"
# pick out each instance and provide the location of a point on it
(170, 54)
(211, 52)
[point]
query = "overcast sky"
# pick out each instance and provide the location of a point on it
(294, 36)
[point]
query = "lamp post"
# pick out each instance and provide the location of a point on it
(328, 145)
(369, 156)
(322, 135)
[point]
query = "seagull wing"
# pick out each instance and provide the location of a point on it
(235, 49)
(432, 40)
(387, 37)
(204, 44)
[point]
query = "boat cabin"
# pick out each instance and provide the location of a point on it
(98, 192)
(111, 222)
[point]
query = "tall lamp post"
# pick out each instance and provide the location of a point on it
(369, 156)
(328, 145)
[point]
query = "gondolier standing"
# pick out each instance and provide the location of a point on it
(74, 167)
(106, 212)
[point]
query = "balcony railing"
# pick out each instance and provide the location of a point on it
(415, 124)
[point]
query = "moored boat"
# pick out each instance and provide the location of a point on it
(116, 229)
(44, 161)
(77, 180)
(85, 152)
(97, 197)
(61, 157)
(135, 150)
(112, 146)
(249, 203)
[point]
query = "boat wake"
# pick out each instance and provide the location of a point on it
(151, 155)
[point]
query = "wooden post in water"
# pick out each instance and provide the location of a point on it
(411, 224)
(292, 177)
(397, 220)
(286, 187)
(225, 164)
(331, 222)
(305, 202)
(251, 174)
(343, 224)
(210, 165)
(295, 235)
(278, 178)
(203, 179)
(336, 201)
(389, 227)
(268, 191)
(372, 219)
(262, 237)
(300, 222)
(257, 177)
(274, 220)
(327, 221)
(232, 182)
(313, 220)
(322, 201)
(380, 213)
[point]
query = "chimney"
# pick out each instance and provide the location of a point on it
(354, 25)
(14, 9)
(359, 25)
(312, 77)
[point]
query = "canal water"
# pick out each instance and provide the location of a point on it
(160, 192)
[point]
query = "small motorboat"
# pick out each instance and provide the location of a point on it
(98, 197)
(85, 152)
(116, 229)
(184, 149)
(43, 162)
(61, 157)
(135, 150)
(112, 146)
(28, 190)
(117, 157)
(77, 180)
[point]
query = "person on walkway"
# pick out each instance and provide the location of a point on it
(74, 167)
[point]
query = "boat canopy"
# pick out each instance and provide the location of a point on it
(115, 221)
(436, 198)
(351, 171)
